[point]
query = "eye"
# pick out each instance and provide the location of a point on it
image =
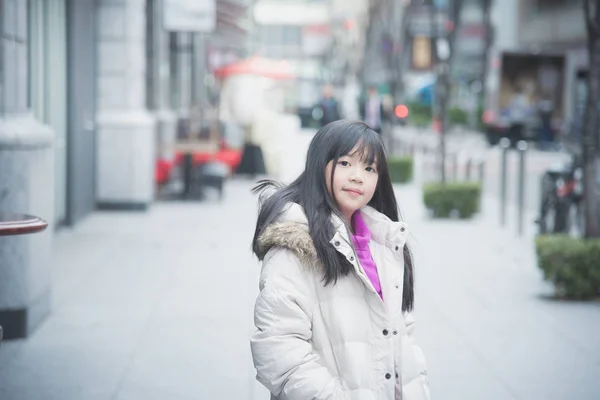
(344, 163)
(371, 169)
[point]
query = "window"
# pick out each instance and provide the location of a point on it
(2, 60)
(551, 4)
(292, 35)
(13, 49)
(421, 52)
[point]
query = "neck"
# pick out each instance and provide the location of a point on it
(348, 219)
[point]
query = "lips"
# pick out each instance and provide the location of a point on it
(357, 192)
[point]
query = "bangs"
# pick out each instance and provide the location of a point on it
(365, 143)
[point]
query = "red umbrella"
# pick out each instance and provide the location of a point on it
(257, 66)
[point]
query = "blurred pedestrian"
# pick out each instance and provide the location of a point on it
(518, 112)
(545, 110)
(333, 316)
(330, 109)
(372, 110)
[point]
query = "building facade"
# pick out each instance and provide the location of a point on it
(558, 26)
(90, 95)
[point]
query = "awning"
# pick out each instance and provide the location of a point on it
(280, 70)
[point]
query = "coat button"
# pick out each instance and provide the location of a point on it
(351, 258)
(385, 332)
(396, 375)
(397, 286)
(388, 376)
(397, 248)
(402, 229)
(395, 332)
(337, 243)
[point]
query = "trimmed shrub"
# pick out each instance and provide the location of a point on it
(419, 114)
(444, 198)
(401, 169)
(571, 264)
(458, 116)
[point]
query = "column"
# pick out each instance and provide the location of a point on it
(126, 129)
(159, 63)
(182, 47)
(199, 93)
(26, 182)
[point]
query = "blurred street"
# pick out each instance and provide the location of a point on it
(159, 306)
(132, 133)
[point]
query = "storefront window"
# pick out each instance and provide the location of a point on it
(47, 75)
(2, 59)
(14, 52)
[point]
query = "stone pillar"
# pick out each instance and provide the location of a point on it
(159, 100)
(199, 93)
(26, 184)
(183, 73)
(126, 128)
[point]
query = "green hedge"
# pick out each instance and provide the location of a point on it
(401, 169)
(458, 116)
(419, 114)
(443, 198)
(572, 265)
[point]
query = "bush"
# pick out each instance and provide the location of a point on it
(401, 169)
(419, 114)
(458, 116)
(571, 264)
(444, 198)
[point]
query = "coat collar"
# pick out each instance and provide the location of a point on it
(291, 231)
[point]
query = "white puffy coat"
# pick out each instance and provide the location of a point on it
(341, 341)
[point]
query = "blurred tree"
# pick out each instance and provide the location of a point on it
(488, 39)
(592, 125)
(443, 63)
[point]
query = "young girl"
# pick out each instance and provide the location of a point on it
(336, 288)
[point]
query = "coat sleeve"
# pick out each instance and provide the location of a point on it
(281, 345)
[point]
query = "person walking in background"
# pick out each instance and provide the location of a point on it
(330, 110)
(545, 110)
(519, 109)
(333, 315)
(372, 109)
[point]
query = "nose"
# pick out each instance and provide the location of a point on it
(356, 176)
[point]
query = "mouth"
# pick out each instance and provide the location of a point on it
(354, 192)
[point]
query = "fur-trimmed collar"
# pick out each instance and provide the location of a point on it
(290, 235)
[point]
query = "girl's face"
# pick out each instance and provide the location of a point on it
(354, 182)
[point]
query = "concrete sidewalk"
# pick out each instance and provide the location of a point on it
(158, 305)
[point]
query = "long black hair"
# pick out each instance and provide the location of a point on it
(309, 190)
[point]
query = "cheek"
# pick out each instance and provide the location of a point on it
(371, 185)
(339, 180)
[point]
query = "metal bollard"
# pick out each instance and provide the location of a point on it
(455, 167)
(392, 143)
(504, 145)
(481, 171)
(522, 148)
(468, 170)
